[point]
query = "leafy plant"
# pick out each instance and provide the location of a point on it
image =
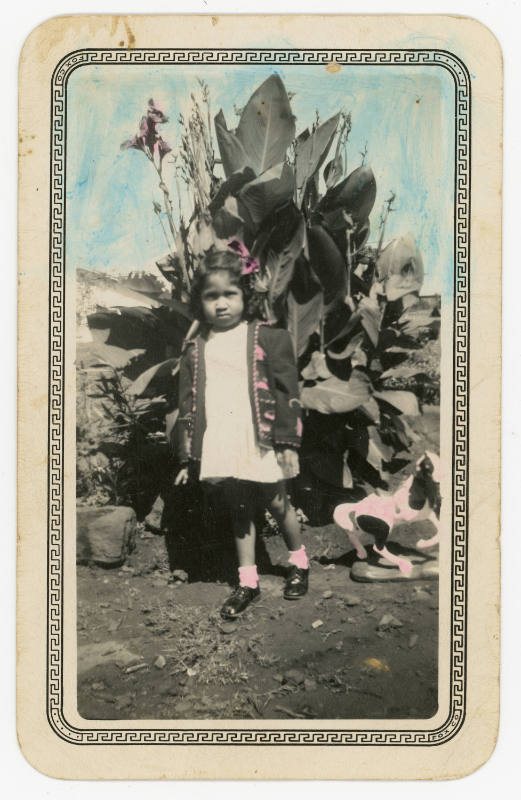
(349, 307)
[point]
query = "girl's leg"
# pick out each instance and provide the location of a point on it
(241, 500)
(277, 501)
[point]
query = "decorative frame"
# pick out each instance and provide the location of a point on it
(57, 289)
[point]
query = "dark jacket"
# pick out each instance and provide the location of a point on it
(273, 390)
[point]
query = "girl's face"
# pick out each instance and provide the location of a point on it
(222, 301)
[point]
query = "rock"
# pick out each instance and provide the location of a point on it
(317, 623)
(388, 621)
(327, 594)
(228, 627)
(180, 575)
(104, 535)
(278, 677)
(160, 662)
(109, 652)
(97, 687)
(413, 639)
(310, 685)
(114, 625)
(352, 600)
(295, 676)
(155, 515)
(326, 542)
(135, 668)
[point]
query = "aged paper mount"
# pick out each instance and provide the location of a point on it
(460, 735)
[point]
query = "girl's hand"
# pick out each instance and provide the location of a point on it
(182, 477)
(288, 462)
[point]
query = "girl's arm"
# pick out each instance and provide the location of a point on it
(181, 438)
(287, 426)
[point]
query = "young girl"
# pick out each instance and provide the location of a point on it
(239, 413)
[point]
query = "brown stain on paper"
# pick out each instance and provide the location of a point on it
(333, 67)
(215, 20)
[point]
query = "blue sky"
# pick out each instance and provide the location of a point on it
(405, 114)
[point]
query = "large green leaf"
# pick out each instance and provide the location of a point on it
(355, 195)
(303, 320)
(328, 264)
(261, 196)
(168, 367)
(311, 151)
(281, 264)
(334, 396)
(333, 171)
(233, 155)
(267, 126)
(405, 402)
(400, 267)
(371, 317)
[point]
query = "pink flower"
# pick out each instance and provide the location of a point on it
(148, 139)
(260, 354)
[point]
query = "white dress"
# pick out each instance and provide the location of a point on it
(229, 447)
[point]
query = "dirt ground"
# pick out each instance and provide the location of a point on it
(152, 645)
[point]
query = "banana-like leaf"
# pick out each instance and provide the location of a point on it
(168, 367)
(405, 402)
(334, 396)
(267, 125)
(227, 221)
(233, 155)
(327, 263)
(352, 347)
(371, 318)
(231, 186)
(303, 320)
(404, 372)
(333, 171)
(412, 323)
(400, 266)
(311, 151)
(281, 264)
(355, 195)
(377, 452)
(304, 283)
(261, 196)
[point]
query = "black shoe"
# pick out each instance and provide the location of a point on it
(240, 598)
(296, 583)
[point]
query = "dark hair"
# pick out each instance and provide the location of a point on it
(215, 260)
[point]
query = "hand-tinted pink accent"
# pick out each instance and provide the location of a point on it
(299, 558)
(248, 576)
(375, 506)
(299, 427)
(262, 385)
(250, 264)
(264, 428)
(403, 564)
(269, 415)
(422, 543)
(361, 552)
(260, 354)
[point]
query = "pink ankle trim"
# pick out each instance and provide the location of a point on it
(299, 558)
(248, 576)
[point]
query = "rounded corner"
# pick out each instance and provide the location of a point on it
(488, 33)
(30, 757)
(30, 40)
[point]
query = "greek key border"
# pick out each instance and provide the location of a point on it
(264, 736)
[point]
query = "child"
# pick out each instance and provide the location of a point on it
(239, 413)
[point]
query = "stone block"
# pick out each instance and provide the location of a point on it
(105, 535)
